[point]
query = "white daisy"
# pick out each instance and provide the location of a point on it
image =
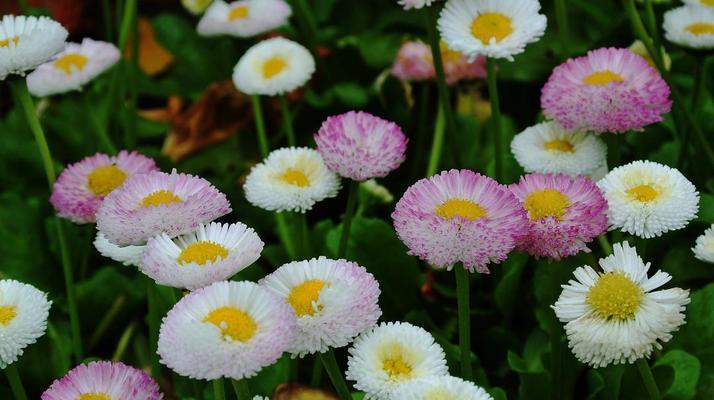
(273, 66)
(690, 26)
(440, 388)
(127, 255)
(392, 354)
(704, 248)
(244, 18)
(614, 317)
(214, 252)
(494, 28)
(648, 199)
(547, 148)
(23, 318)
(290, 179)
(196, 7)
(227, 329)
(334, 300)
(26, 42)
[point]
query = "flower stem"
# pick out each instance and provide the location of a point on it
(152, 300)
(304, 235)
(260, 126)
(436, 144)
(13, 377)
(695, 104)
(648, 379)
(605, 244)
(99, 129)
(124, 341)
(28, 107)
(347, 220)
(464, 313)
(219, 392)
(287, 120)
(333, 371)
(496, 117)
(556, 349)
(652, 27)
(241, 388)
(106, 321)
(285, 236)
(561, 15)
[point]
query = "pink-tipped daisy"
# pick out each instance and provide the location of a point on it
(414, 62)
(459, 216)
(82, 186)
(360, 146)
(565, 214)
(149, 204)
(103, 380)
(608, 90)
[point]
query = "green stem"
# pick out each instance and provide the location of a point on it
(287, 120)
(107, 16)
(648, 379)
(436, 144)
(604, 244)
(28, 107)
(561, 15)
(652, 27)
(304, 235)
(71, 291)
(333, 371)
(13, 377)
(464, 313)
(129, 9)
(285, 235)
(124, 342)
(106, 321)
(197, 389)
(495, 117)
(219, 392)
(556, 350)
(347, 220)
(99, 128)
(153, 305)
(241, 388)
(260, 126)
(316, 376)
(699, 75)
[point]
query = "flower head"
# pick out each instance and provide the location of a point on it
(440, 387)
(690, 26)
(243, 18)
(26, 42)
(408, 4)
(23, 318)
(704, 248)
(127, 255)
(414, 62)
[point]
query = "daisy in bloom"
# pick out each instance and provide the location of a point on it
(82, 186)
(690, 26)
(459, 216)
(565, 214)
(214, 252)
(648, 199)
(704, 248)
(103, 380)
(23, 318)
(549, 149)
(413, 62)
(614, 317)
(393, 354)
(457, 66)
(409, 4)
(127, 255)
(608, 90)
(290, 179)
(334, 300)
(196, 7)
(273, 66)
(26, 42)
(73, 68)
(360, 146)
(440, 387)
(244, 18)
(227, 329)
(149, 204)
(494, 28)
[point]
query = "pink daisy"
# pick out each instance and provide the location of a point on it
(149, 204)
(608, 90)
(565, 213)
(459, 216)
(360, 146)
(414, 62)
(103, 380)
(82, 186)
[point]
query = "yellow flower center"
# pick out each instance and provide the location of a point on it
(295, 177)
(69, 62)
(700, 28)
(102, 180)
(643, 193)
(615, 296)
(707, 2)
(6, 42)
(602, 78)
(273, 66)
(302, 297)
(234, 323)
(447, 54)
(491, 25)
(396, 368)
(546, 203)
(239, 12)
(160, 198)
(94, 396)
(7, 314)
(463, 208)
(562, 146)
(202, 252)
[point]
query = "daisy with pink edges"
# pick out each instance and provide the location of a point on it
(459, 216)
(149, 204)
(607, 90)
(360, 146)
(565, 214)
(414, 62)
(104, 380)
(82, 186)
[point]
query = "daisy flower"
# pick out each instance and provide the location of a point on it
(608, 90)
(272, 67)
(360, 146)
(457, 66)
(614, 317)
(413, 62)
(26, 42)
(73, 68)
(440, 387)
(690, 26)
(494, 28)
(214, 252)
(565, 214)
(127, 255)
(459, 216)
(707, 3)
(82, 186)
(149, 204)
(196, 7)
(227, 329)
(334, 300)
(290, 179)
(244, 18)
(103, 380)
(393, 354)
(549, 149)
(704, 248)
(648, 199)
(409, 4)
(23, 318)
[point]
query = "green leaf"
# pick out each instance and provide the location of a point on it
(507, 291)
(686, 374)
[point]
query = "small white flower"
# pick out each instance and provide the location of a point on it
(409, 4)
(690, 26)
(26, 42)
(127, 255)
(704, 248)
(440, 388)
(23, 318)
(244, 18)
